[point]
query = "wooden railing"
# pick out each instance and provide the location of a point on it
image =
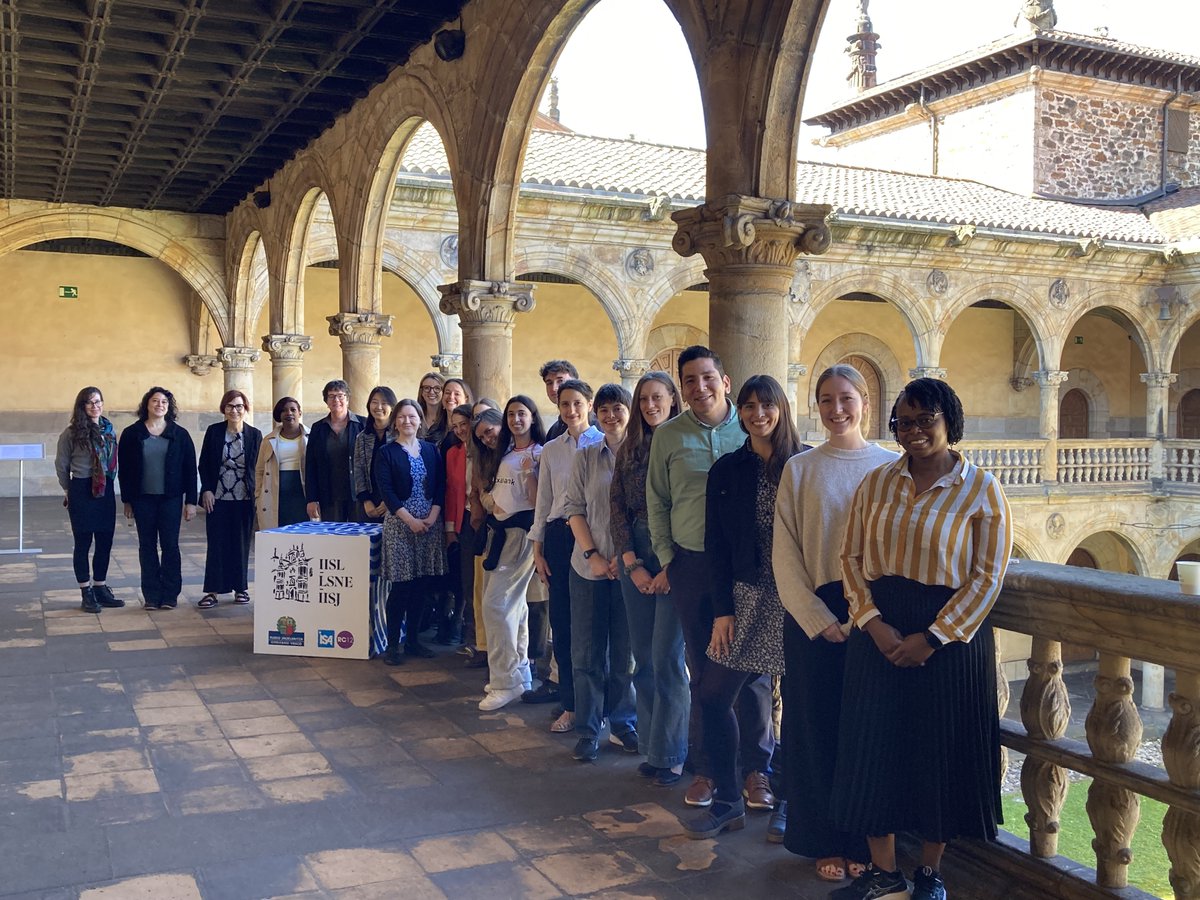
(1015, 463)
(1123, 617)
(1112, 461)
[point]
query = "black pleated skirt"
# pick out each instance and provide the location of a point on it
(812, 708)
(918, 748)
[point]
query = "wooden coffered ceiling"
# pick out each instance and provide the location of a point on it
(184, 105)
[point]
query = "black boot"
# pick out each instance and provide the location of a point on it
(104, 596)
(392, 657)
(415, 648)
(90, 604)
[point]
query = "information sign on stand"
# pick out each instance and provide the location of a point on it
(316, 592)
(20, 453)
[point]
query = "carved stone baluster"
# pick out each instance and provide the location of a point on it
(1003, 695)
(1181, 757)
(1114, 730)
(1045, 712)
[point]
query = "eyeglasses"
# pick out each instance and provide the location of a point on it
(93, 403)
(431, 389)
(236, 407)
(923, 421)
(335, 396)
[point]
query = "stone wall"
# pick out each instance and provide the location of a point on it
(1096, 147)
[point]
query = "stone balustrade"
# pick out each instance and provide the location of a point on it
(1014, 463)
(1123, 617)
(1182, 462)
(1110, 461)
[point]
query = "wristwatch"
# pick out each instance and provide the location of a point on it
(588, 554)
(932, 640)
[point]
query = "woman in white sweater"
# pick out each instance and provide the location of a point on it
(811, 509)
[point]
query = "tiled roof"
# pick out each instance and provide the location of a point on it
(1177, 215)
(610, 166)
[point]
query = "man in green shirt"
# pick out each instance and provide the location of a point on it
(682, 452)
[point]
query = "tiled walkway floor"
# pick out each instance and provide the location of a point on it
(154, 755)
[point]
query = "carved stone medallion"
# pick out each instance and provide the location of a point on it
(937, 281)
(1060, 292)
(639, 263)
(449, 251)
(1056, 525)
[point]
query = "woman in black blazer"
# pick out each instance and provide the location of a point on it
(412, 480)
(227, 460)
(329, 458)
(157, 471)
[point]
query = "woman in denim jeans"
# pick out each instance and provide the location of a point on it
(660, 676)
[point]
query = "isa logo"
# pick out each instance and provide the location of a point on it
(325, 638)
(345, 640)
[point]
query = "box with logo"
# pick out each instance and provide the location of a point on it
(317, 590)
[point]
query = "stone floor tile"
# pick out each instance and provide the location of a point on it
(237, 728)
(105, 761)
(289, 765)
(390, 777)
(166, 699)
(544, 838)
(234, 693)
(178, 775)
(179, 734)
(512, 739)
(416, 677)
(174, 715)
(141, 644)
(410, 889)
(247, 709)
(316, 687)
(584, 873)
(640, 820)
(40, 862)
(102, 739)
(387, 753)
(371, 697)
(462, 851)
(224, 798)
(341, 738)
(233, 678)
(153, 887)
(307, 789)
(495, 881)
(116, 810)
(263, 876)
(311, 703)
(337, 869)
(445, 748)
(271, 745)
(110, 784)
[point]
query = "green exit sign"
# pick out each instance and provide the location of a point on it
(68, 292)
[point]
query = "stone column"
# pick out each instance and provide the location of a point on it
(631, 370)
(796, 371)
(238, 363)
(360, 335)
(750, 245)
(287, 364)
(927, 372)
(1048, 382)
(448, 364)
(486, 312)
(1158, 402)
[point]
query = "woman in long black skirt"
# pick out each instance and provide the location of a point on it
(926, 547)
(227, 459)
(810, 520)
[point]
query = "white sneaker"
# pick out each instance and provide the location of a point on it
(499, 699)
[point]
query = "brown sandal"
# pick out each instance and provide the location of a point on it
(831, 868)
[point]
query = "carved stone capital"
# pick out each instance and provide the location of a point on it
(631, 368)
(238, 357)
(796, 371)
(1048, 377)
(201, 363)
(486, 302)
(360, 328)
(738, 230)
(928, 372)
(447, 363)
(289, 347)
(1159, 379)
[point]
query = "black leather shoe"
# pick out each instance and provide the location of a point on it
(104, 596)
(416, 648)
(586, 750)
(393, 657)
(547, 692)
(90, 604)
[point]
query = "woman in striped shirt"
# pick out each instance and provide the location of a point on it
(926, 547)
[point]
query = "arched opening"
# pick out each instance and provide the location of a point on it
(1073, 420)
(873, 426)
(1188, 416)
(1106, 343)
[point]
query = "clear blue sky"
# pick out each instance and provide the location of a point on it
(626, 69)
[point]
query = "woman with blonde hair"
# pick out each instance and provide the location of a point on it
(811, 510)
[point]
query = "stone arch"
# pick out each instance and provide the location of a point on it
(675, 278)
(886, 286)
(289, 317)
(423, 279)
(1017, 297)
(1031, 546)
(874, 350)
(251, 281)
(1099, 535)
(1133, 315)
(1188, 381)
(604, 283)
(203, 272)
(1187, 316)
(1097, 395)
(673, 336)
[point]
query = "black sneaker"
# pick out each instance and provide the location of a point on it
(104, 596)
(719, 817)
(547, 692)
(928, 885)
(90, 604)
(627, 741)
(586, 750)
(873, 884)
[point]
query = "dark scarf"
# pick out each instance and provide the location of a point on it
(102, 441)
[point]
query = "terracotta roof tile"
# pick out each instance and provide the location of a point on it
(611, 166)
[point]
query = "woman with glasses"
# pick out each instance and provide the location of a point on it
(158, 488)
(227, 458)
(328, 464)
(86, 463)
(811, 509)
(433, 417)
(926, 547)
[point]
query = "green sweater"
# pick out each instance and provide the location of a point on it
(682, 452)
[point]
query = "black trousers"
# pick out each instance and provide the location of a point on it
(557, 547)
(158, 518)
(405, 603)
(691, 587)
(720, 691)
(93, 520)
(228, 528)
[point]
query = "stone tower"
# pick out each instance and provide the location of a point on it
(862, 49)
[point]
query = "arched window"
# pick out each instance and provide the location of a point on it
(1189, 415)
(1073, 415)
